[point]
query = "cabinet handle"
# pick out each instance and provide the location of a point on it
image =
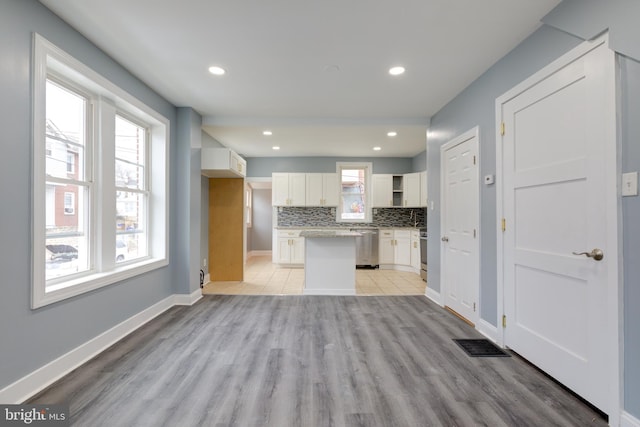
(415, 244)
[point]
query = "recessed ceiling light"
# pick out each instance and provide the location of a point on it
(377, 148)
(392, 133)
(275, 147)
(217, 71)
(396, 71)
(267, 133)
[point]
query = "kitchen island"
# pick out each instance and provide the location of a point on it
(330, 262)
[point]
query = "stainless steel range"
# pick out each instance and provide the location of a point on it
(423, 254)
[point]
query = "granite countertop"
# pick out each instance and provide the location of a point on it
(329, 233)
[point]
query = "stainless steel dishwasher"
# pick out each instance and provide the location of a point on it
(366, 247)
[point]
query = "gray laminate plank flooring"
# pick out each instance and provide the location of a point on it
(309, 361)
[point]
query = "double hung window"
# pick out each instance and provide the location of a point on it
(100, 188)
(355, 188)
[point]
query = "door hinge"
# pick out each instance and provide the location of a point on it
(502, 128)
(474, 307)
(474, 160)
(504, 224)
(474, 233)
(504, 320)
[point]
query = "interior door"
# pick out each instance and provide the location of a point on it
(555, 191)
(460, 208)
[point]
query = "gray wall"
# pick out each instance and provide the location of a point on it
(476, 106)
(187, 201)
(261, 230)
(33, 338)
(419, 162)
(265, 166)
(630, 106)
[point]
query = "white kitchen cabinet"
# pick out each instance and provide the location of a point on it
(415, 251)
(217, 162)
(402, 247)
(290, 247)
(411, 190)
(288, 189)
(394, 247)
(382, 186)
(386, 248)
(423, 189)
(322, 189)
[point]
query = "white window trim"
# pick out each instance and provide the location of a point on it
(110, 98)
(367, 190)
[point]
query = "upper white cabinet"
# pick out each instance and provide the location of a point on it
(219, 162)
(288, 189)
(322, 189)
(382, 185)
(423, 189)
(411, 190)
(399, 190)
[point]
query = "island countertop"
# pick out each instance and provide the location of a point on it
(329, 233)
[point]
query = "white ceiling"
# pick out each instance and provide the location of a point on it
(313, 72)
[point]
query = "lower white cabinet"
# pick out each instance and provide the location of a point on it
(394, 247)
(415, 250)
(290, 247)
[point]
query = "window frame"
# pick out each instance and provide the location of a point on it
(107, 100)
(368, 170)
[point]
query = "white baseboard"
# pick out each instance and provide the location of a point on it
(628, 420)
(259, 253)
(488, 330)
(183, 299)
(328, 292)
(433, 296)
(396, 267)
(46, 375)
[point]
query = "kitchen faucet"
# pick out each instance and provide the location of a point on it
(415, 219)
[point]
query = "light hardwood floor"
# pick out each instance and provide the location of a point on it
(261, 277)
(307, 361)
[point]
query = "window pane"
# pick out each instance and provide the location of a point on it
(131, 225)
(66, 230)
(130, 154)
(353, 194)
(65, 132)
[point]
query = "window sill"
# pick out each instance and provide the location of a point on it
(91, 282)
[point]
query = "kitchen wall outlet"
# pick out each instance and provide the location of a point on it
(488, 179)
(431, 204)
(630, 184)
(204, 262)
(375, 211)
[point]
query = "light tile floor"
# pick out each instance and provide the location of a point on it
(261, 277)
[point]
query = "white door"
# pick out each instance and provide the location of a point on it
(460, 213)
(557, 195)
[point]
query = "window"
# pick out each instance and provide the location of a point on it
(100, 186)
(355, 181)
(69, 203)
(132, 195)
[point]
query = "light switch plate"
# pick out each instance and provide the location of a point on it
(630, 184)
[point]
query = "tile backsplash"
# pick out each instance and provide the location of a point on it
(323, 217)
